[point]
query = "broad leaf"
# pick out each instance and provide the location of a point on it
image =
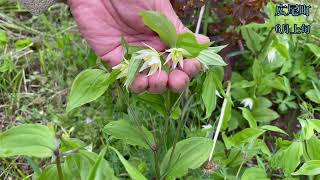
(82, 164)
(249, 117)
(101, 170)
(254, 173)
(209, 97)
(246, 135)
(88, 86)
(133, 172)
(315, 49)
(273, 128)
(311, 149)
(162, 26)
(291, 158)
(312, 95)
(189, 42)
(310, 168)
(28, 140)
(264, 114)
(154, 100)
(189, 154)
(128, 132)
(210, 58)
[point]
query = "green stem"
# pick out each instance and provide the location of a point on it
(179, 128)
(58, 163)
(157, 164)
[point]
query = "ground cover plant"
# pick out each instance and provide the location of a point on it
(251, 113)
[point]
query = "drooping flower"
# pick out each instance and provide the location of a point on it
(176, 55)
(151, 59)
(123, 67)
(247, 102)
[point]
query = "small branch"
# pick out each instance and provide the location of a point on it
(203, 8)
(223, 109)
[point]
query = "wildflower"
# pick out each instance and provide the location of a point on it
(209, 167)
(272, 54)
(151, 59)
(247, 102)
(176, 55)
(123, 67)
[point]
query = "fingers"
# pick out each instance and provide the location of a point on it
(140, 84)
(114, 57)
(158, 82)
(191, 67)
(178, 81)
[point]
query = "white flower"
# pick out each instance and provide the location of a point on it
(176, 55)
(247, 102)
(207, 126)
(272, 54)
(124, 68)
(151, 59)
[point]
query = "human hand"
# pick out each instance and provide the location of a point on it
(104, 22)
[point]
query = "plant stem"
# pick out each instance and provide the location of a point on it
(222, 114)
(179, 128)
(58, 163)
(238, 172)
(157, 164)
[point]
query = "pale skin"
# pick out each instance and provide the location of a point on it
(103, 22)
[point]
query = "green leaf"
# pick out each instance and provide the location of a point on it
(291, 158)
(249, 117)
(28, 140)
(51, 173)
(189, 154)
(81, 164)
(97, 170)
(264, 114)
(246, 135)
(273, 128)
(160, 24)
(310, 168)
(217, 49)
(253, 39)
(312, 95)
(133, 172)
(281, 83)
(3, 37)
(125, 130)
(154, 100)
(210, 58)
(88, 86)
(315, 49)
(254, 173)
(209, 97)
(315, 123)
(189, 42)
(133, 70)
(311, 149)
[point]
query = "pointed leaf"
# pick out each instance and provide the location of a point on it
(28, 140)
(133, 172)
(88, 86)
